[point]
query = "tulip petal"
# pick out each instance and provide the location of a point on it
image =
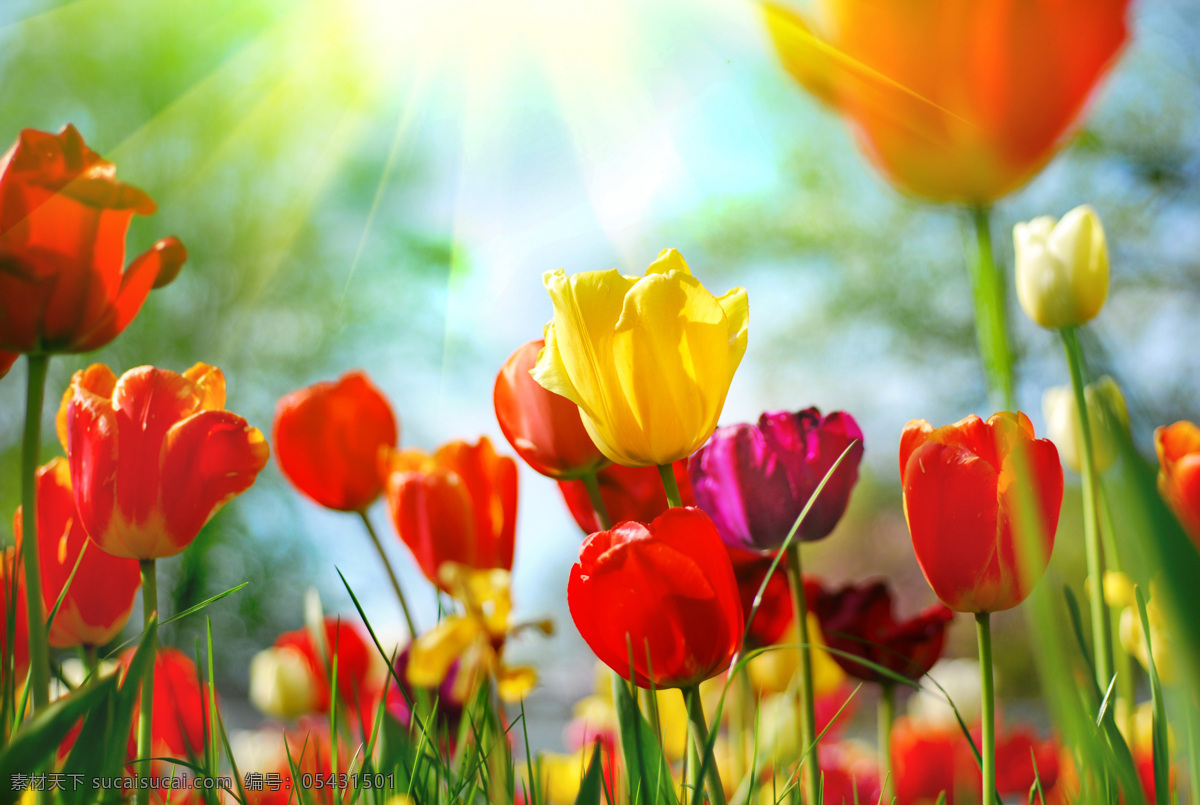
(434, 652)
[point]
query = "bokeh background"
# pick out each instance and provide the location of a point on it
(380, 185)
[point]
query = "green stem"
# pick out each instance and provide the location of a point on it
(699, 727)
(412, 629)
(670, 485)
(1123, 665)
(31, 446)
(808, 719)
(591, 482)
(1101, 634)
(983, 627)
(991, 313)
(887, 715)
(146, 712)
(91, 659)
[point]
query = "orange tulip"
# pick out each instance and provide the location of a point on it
(457, 505)
(64, 286)
(154, 455)
(954, 101)
(100, 598)
(328, 437)
(964, 488)
(1178, 449)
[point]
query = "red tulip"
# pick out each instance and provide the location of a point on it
(180, 714)
(154, 455)
(458, 505)
(544, 428)
(12, 604)
(347, 643)
(665, 591)
(100, 598)
(858, 620)
(7, 359)
(775, 613)
(1178, 449)
(310, 749)
(63, 219)
(328, 438)
(629, 493)
(964, 485)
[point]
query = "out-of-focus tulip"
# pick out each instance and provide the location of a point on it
(12, 597)
(1120, 595)
(1062, 268)
(1178, 449)
(775, 612)
(308, 748)
(458, 505)
(544, 428)
(944, 98)
(154, 455)
(282, 683)
(100, 598)
(648, 360)
(63, 220)
(7, 359)
(964, 489)
(960, 680)
(342, 640)
(848, 773)
(775, 671)
(858, 620)
(668, 590)
(754, 480)
(451, 702)
(180, 715)
(629, 493)
(328, 437)
(1063, 424)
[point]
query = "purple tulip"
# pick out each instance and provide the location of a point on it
(754, 480)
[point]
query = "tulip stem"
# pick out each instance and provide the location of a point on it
(695, 711)
(808, 718)
(412, 629)
(1101, 631)
(670, 485)
(591, 482)
(146, 712)
(887, 715)
(983, 627)
(39, 651)
(991, 312)
(91, 659)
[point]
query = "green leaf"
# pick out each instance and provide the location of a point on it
(647, 769)
(593, 783)
(1162, 756)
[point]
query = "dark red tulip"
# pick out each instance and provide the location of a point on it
(544, 428)
(776, 612)
(629, 493)
(754, 480)
(64, 285)
(963, 488)
(858, 619)
(328, 438)
(668, 590)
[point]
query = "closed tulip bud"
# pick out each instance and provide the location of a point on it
(1104, 403)
(544, 428)
(1178, 449)
(968, 488)
(281, 683)
(1062, 268)
(663, 592)
(648, 360)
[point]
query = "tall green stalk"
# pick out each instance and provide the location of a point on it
(1101, 632)
(412, 629)
(983, 628)
(887, 715)
(991, 313)
(31, 445)
(699, 730)
(146, 712)
(592, 484)
(808, 719)
(670, 485)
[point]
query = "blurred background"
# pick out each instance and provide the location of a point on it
(380, 185)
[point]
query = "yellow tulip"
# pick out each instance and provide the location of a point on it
(281, 683)
(1062, 268)
(648, 360)
(1062, 422)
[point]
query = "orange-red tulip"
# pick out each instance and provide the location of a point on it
(954, 101)
(64, 286)
(101, 595)
(1178, 449)
(665, 592)
(629, 493)
(544, 428)
(180, 714)
(347, 643)
(328, 438)
(154, 455)
(964, 488)
(12, 604)
(457, 505)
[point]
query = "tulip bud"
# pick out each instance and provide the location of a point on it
(1062, 268)
(281, 683)
(1104, 398)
